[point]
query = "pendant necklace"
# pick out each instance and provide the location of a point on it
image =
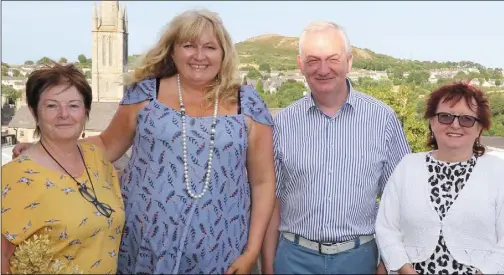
(76, 181)
(184, 145)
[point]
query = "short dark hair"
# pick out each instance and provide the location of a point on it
(454, 93)
(45, 78)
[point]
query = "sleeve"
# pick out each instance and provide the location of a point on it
(279, 170)
(388, 234)
(139, 92)
(22, 205)
(495, 260)
(253, 106)
(397, 147)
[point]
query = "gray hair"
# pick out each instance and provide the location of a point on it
(324, 25)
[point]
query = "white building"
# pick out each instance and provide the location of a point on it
(6, 154)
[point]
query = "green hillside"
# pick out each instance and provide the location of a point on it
(280, 53)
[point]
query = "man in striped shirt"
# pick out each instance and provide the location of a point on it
(334, 152)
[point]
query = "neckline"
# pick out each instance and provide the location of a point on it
(60, 175)
(463, 162)
(80, 185)
(157, 101)
(157, 85)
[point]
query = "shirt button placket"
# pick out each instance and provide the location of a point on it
(328, 176)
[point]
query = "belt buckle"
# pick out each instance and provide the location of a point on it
(324, 244)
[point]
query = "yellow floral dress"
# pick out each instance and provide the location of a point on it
(38, 200)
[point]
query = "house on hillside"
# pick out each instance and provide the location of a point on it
(18, 83)
(272, 84)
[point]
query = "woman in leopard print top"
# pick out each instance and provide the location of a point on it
(457, 114)
(446, 180)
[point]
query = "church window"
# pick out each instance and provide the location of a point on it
(104, 50)
(110, 50)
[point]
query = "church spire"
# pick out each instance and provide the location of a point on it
(120, 24)
(108, 13)
(125, 18)
(95, 17)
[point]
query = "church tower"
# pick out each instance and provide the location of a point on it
(110, 51)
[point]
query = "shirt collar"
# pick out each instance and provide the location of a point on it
(350, 100)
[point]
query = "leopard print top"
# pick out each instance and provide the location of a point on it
(446, 180)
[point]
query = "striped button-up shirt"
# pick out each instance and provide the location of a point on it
(331, 169)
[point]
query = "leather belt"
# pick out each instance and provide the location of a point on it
(328, 248)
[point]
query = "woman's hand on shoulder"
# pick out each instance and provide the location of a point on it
(20, 148)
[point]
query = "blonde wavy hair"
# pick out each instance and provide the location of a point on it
(189, 26)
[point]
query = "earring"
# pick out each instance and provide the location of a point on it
(83, 135)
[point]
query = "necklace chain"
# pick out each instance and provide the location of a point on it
(184, 145)
(84, 162)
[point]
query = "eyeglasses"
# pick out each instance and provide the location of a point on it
(466, 121)
(103, 208)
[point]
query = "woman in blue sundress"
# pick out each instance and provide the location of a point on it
(199, 189)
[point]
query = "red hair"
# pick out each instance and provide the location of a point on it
(453, 93)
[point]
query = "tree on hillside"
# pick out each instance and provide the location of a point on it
(498, 82)
(45, 61)
(460, 76)
(259, 87)
(29, 62)
(497, 74)
(82, 59)
(265, 67)
(11, 93)
(63, 60)
(497, 127)
(485, 74)
(16, 73)
(481, 81)
(418, 77)
(444, 81)
(5, 69)
(253, 73)
(88, 74)
(496, 101)
(290, 91)
(413, 124)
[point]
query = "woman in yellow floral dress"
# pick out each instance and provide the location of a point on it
(62, 188)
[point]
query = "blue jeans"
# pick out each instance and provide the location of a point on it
(292, 258)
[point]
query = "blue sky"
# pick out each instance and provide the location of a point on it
(442, 31)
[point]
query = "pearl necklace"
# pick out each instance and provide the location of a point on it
(184, 145)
